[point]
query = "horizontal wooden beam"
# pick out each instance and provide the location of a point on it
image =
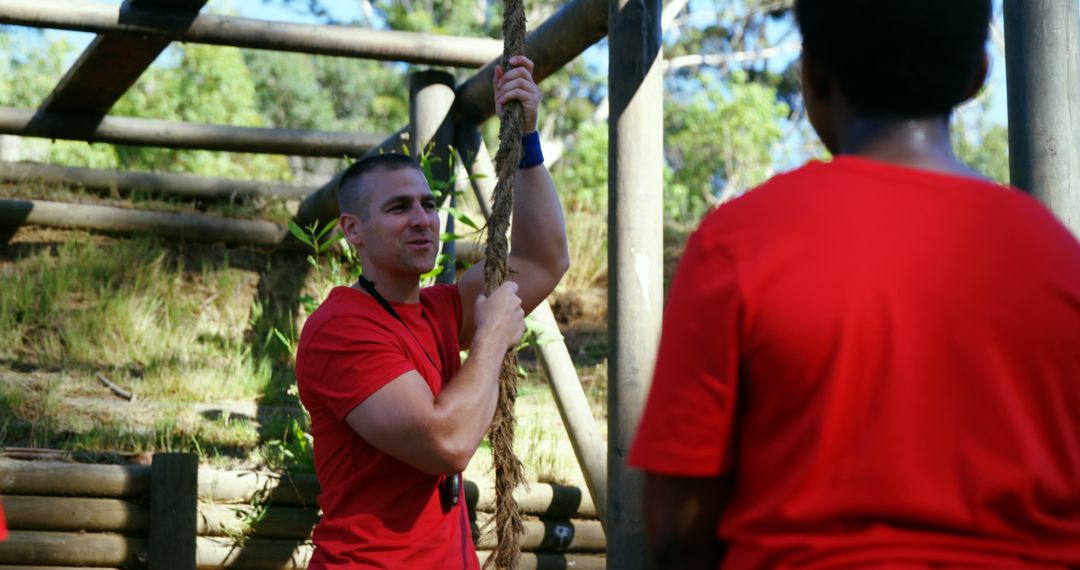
(47, 478)
(549, 561)
(214, 553)
(177, 25)
(66, 549)
(24, 567)
(32, 547)
(541, 499)
(549, 534)
(174, 134)
(246, 486)
(74, 514)
(183, 185)
(176, 226)
(556, 42)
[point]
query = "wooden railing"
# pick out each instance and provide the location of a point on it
(166, 514)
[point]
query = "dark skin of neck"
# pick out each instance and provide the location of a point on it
(922, 143)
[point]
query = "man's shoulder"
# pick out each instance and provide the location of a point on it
(441, 297)
(339, 314)
(341, 302)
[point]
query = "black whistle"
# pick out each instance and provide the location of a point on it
(450, 490)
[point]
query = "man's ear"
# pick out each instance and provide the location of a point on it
(353, 229)
(979, 79)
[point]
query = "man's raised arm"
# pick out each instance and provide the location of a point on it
(538, 250)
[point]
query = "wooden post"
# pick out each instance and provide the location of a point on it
(635, 256)
(1042, 56)
(478, 164)
(431, 95)
(565, 385)
(174, 481)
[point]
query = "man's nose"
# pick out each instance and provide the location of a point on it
(418, 216)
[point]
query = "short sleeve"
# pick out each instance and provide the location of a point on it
(356, 358)
(443, 303)
(687, 424)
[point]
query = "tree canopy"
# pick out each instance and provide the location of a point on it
(732, 113)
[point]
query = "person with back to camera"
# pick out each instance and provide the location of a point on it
(872, 362)
(395, 415)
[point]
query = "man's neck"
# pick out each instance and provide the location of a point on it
(924, 144)
(394, 288)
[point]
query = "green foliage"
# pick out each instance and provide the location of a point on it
(288, 90)
(582, 175)
(205, 84)
(451, 17)
(719, 142)
(291, 446)
(370, 96)
(329, 93)
(979, 144)
(209, 84)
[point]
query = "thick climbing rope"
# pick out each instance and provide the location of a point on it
(508, 470)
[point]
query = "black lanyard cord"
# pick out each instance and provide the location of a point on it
(369, 286)
(449, 485)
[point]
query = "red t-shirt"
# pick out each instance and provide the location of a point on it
(887, 362)
(378, 512)
(3, 525)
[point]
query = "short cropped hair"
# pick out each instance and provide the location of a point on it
(354, 196)
(904, 58)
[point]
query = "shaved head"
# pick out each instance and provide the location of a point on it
(354, 194)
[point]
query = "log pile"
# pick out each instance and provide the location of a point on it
(79, 515)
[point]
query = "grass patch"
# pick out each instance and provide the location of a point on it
(187, 324)
(132, 306)
(587, 239)
(177, 325)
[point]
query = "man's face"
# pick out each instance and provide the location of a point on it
(401, 232)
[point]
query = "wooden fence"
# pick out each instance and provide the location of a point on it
(174, 514)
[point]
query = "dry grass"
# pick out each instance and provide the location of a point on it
(181, 325)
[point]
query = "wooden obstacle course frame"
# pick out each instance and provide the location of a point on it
(66, 514)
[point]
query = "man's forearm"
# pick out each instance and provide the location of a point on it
(465, 407)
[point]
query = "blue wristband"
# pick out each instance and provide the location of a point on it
(531, 155)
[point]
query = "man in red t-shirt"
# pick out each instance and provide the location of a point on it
(872, 362)
(395, 415)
